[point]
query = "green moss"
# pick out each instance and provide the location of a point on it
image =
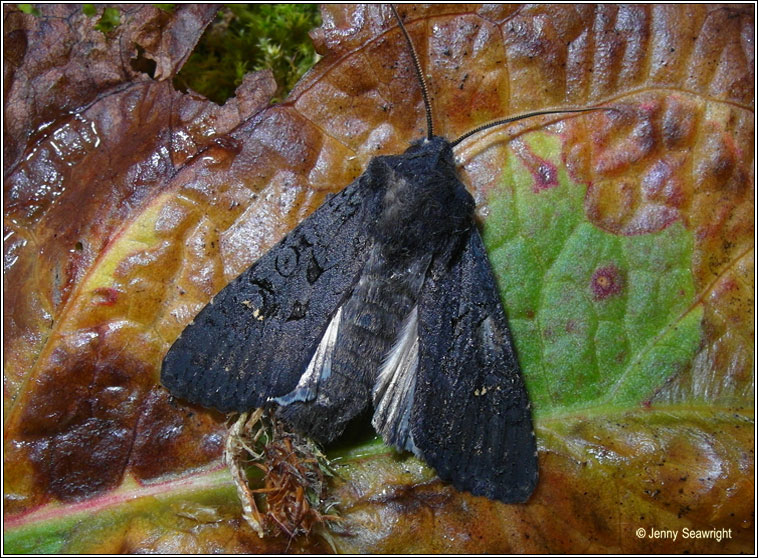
(28, 9)
(109, 20)
(249, 37)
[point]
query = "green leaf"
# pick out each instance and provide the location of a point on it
(597, 318)
(160, 513)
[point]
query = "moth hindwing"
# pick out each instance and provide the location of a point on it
(382, 301)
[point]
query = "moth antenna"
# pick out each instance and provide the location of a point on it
(522, 117)
(419, 74)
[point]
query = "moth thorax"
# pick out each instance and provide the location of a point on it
(421, 212)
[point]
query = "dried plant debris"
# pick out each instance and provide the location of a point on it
(292, 496)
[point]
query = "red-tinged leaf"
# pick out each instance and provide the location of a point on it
(623, 243)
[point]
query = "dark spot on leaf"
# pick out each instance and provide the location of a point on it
(79, 459)
(606, 281)
(544, 173)
(78, 425)
(172, 437)
(106, 296)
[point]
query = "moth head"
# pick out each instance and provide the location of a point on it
(427, 159)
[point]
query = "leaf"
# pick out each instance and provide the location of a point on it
(623, 243)
(599, 318)
(603, 475)
(58, 63)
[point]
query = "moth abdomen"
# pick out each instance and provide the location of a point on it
(369, 323)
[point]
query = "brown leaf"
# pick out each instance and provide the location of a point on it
(126, 213)
(58, 62)
(601, 479)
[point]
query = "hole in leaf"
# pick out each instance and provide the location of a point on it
(142, 63)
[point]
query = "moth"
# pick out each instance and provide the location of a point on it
(383, 302)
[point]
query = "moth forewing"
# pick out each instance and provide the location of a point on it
(319, 367)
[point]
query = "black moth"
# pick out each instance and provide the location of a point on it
(384, 298)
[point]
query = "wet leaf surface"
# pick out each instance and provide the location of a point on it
(603, 475)
(59, 62)
(622, 241)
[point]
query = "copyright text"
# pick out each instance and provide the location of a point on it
(685, 533)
